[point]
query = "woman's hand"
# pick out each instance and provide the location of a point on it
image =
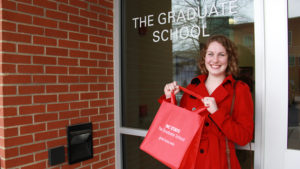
(211, 104)
(171, 87)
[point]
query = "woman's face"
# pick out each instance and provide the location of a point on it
(216, 59)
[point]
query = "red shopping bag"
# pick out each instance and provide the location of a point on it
(174, 135)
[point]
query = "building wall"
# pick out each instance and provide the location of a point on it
(56, 70)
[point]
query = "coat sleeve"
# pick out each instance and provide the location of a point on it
(237, 127)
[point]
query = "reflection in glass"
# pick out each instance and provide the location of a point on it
(294, 74)
(134, 158)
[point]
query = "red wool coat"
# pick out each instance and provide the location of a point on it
(238, 128)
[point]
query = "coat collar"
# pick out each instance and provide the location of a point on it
(220, 92)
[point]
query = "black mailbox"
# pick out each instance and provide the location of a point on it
(80, 142)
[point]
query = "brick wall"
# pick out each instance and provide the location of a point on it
(56, 70)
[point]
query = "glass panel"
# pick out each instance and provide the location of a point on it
(294, 74)
(134, 158)
(161, 42)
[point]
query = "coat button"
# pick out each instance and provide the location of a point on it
(201, 151)
(206, 124)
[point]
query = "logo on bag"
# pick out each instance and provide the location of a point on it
(171, 131)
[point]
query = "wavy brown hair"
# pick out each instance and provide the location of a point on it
(231, 50)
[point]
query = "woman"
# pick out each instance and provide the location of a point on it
(218, 66)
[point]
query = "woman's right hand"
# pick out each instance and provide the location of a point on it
(171, 87)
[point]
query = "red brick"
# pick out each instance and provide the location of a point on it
(56, 15)
(93, 1)
(68, 97)
(98, 9)
(31, 89)
(78, 19)
(57, 124)
(30, 49)
(44, 60)
(110, 12)
(58, 142)
(99, 118)
(30, 29)
(105, 110)
(45, 4)
(97, 39)
(79, 54)
(56, 33)
(30, 69)
(68, 61)
(44, 79)
(78, 70)
(45, 117)
(31, 9)
(78, 36)
(95, 55)
(88, 46)
(77, 88)
(5, 4)
(88, 14)
(45, 98)
(68, 44)
(69, 26)
(17, 141)
(32, 148)
(89, 63)
(106, 3)
(32, 109)
(89, 112)
(78, 3)
(42, 164)
(106, 79)
(11, 152)
(88, 30)
(44, 41)
(57, 107)
(98, 103)
(56, 70)
(108, 154)
(16, 17)
(16, 37)
(110, 72)
(105, 48)
(79, 105)
(15, 79)
(56, 88)
(16, 100)
(106, 94)
(68, 79)
(8, 90)
(56, 51)
(8, 68)
(7, 47)
(88, 79)
(12, 163)
(110, 27)
(79, 120)
(32, 128)
(44, 22)
(97, 24)
(97, 71)
(68, 114)
(105, 33)
(110, 42)
(41, 156)
(97, 87)
(86, 96)
(46, 135)
(104, 18)
(110, 57)
(10, 132)
(8, 26)
(68, 9)
(100, 164)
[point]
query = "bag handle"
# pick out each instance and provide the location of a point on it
(198, 96)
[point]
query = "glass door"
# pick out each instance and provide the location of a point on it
(158, 42)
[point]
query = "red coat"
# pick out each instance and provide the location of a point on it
(238, 128)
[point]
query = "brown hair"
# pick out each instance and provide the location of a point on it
(231, 49)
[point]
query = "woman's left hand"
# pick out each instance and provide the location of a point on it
(211, 104)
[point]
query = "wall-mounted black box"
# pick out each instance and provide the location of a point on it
(80, 142)
(56, 155)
